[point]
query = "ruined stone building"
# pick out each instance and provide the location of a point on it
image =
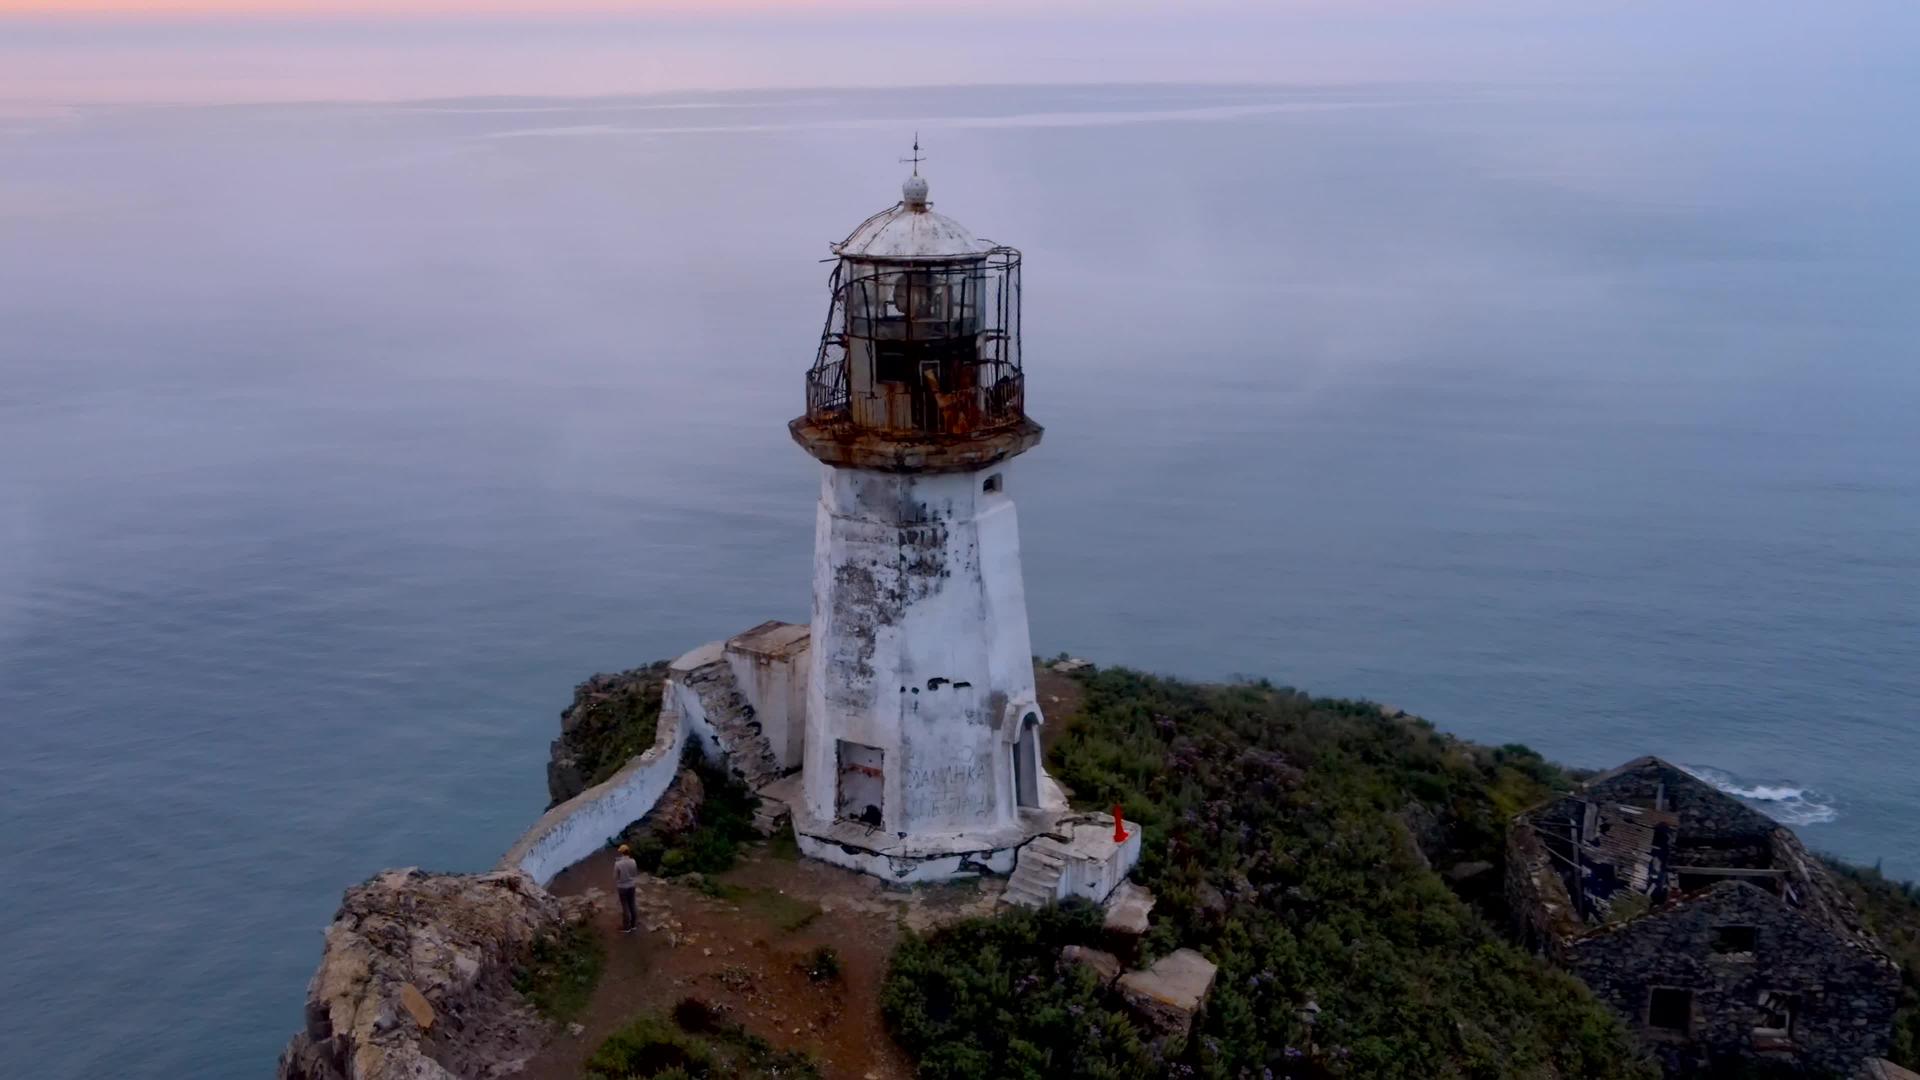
(1703, 923)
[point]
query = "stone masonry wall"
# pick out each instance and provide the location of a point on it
(1847, 991)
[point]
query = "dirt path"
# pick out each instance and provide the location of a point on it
(744, 952)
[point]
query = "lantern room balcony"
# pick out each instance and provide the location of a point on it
(921, 396)
(919, 365)
(971, 426)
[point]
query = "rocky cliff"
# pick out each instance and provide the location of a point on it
(612, 718)
(417, 979)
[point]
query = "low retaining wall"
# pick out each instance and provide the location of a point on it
(583, 824)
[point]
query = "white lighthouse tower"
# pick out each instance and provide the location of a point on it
(922, 756)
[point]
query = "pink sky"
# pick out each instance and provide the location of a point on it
(163, 8)
(160, 9)
(79, 51)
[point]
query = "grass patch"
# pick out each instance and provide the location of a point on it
(656, 1047)
(562, 971)
(1284, 841)
(773, 907)
(782, 845)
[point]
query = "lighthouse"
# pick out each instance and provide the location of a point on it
(922, 753)
(898, 733)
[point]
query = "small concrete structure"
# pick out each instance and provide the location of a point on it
(1127, 910)
(1705, 924)
(1079, 857)
(770, 662)
(1168, 995)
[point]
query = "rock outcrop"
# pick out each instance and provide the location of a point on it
(612, 719)
(679, 809)
(416, 980)
(1104, 965)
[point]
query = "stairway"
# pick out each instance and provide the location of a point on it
(770, 816)
(1036, 874)
(749, 754)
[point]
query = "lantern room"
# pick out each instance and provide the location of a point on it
(922, 341)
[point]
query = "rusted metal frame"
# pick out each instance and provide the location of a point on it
(829, 392)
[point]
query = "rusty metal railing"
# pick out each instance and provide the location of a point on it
(921, 347)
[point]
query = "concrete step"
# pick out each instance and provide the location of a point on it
(771, 816)
(1035, 881)
(749, 753)
(1015, 897)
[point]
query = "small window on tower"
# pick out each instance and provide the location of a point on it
(992, 484)
(892, 364)
(1669, 1009)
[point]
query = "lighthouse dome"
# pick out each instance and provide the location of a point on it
(911, 230)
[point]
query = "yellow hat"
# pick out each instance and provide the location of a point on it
(625, 850)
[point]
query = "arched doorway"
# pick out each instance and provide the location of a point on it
(1026, 763)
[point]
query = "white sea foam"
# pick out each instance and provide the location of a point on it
(1784, 803)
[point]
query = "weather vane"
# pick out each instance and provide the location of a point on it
(916, 159)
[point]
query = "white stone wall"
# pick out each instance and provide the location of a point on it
(582, 825)
(1095, 878)
(919, 644)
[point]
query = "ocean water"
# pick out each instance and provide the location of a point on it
(338, 442)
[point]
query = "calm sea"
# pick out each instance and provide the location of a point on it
(338, 442)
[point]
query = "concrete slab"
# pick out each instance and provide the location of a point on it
(1127, 909)
(773, 639)
(787, 789)
(1169, 994)
(711, 653)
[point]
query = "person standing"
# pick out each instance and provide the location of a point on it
(626, 874)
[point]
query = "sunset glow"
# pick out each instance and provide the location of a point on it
(152, 10)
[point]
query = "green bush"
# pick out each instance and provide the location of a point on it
(722, 826)
(1284, 840)
(650, 1047)
(823, 965)
(613, 718)
(986, 998)
(696, 1045)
